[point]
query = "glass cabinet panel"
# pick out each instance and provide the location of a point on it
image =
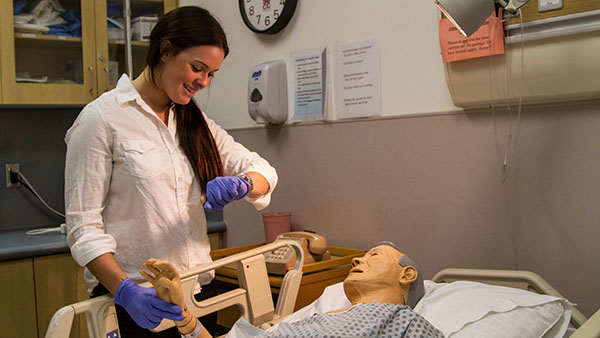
(144, 14)
(47, 42)
(70, 51)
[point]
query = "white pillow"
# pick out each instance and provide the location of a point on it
(469, 309)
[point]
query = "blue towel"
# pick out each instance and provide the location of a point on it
(18, 6)
(113, 11)
(72, 27)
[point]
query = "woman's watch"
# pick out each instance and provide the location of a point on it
(248, 179)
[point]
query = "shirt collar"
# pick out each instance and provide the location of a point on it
(126, 91)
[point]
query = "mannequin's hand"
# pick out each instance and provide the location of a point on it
(167, 283)
(143, 305)
(165, 280)
(223, 190)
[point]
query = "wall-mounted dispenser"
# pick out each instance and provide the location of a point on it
(267, 93)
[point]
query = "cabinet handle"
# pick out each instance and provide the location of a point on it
(107, 84)
(91, 78)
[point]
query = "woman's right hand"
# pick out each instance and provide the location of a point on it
(223, 190)
(143, 305)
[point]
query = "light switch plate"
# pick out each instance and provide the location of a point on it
(548, 5)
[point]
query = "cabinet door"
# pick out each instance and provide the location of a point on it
(58, 282)
(17, 296)
(48, 65)
(110, 40)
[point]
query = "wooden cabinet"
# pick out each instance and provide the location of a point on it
(40, 68)
(33, 289)
(17, 296)
(110, 49)
(58, 282)
(28, 54)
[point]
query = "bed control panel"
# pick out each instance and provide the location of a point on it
(280, 260)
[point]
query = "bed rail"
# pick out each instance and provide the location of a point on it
(525, 280)
(253, 297)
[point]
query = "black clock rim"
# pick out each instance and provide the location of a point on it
(284, 18)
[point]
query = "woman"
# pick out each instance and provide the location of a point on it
(143, 162)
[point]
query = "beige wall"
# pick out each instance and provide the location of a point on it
(431, 185)
(411, 68)
(430, 182)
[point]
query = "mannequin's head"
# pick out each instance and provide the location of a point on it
(384, 274)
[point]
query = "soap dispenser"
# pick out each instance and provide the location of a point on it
(267, 93)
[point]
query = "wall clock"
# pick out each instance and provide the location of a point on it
(267, 16)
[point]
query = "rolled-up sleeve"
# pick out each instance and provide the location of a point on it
(238, 159)
(88, 170)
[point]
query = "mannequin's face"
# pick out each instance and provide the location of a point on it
(378, 267)
(377, 277)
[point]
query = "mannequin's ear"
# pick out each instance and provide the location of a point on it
(165, 48)
(408, 275)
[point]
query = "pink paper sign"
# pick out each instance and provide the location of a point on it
(487, 40)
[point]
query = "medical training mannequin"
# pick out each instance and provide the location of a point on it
(143, 163)
(378, 285)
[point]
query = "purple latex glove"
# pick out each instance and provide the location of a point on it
(221, 191)
(144, 306)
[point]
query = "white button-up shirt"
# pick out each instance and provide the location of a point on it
(130, 190)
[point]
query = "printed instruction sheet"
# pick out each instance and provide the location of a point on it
(310, 69)
(358, 78)
(487, 40)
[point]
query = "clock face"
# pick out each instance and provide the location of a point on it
(267, 16)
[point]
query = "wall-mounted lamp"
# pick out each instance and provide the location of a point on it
(469, 15)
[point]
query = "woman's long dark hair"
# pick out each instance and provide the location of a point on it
(187, 27)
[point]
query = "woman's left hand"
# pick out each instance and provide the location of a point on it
(223, 190)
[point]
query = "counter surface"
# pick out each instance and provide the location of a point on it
(16, 244)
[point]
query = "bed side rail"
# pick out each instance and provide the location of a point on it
(591, 328)
(253, 297)
(520, 279)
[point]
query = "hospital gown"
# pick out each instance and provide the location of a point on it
(362, 320)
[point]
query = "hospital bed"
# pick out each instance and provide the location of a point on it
(254, 299)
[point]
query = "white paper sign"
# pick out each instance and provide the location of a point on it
(358, 79)
(310, 69)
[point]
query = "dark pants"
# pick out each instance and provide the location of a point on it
(129, 329)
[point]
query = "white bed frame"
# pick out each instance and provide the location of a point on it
(253, 297)
(526, 280)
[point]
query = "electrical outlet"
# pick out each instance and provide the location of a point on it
(548, 5)
(12, 178)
